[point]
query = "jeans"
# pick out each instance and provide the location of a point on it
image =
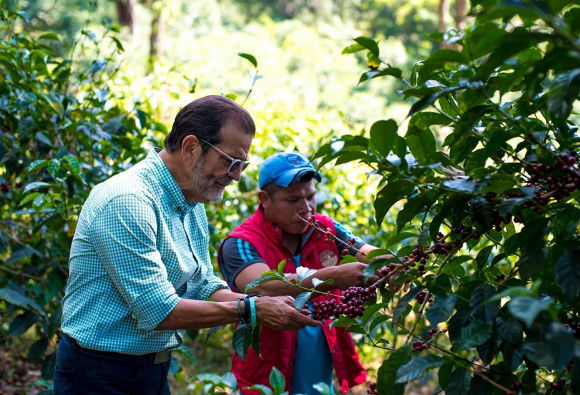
(82, 371)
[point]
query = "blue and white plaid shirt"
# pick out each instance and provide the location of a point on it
(138, 248)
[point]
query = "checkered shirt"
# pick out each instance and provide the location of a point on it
(139, 247)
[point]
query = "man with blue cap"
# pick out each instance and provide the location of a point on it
(281, 230)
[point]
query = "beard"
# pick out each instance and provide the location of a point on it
(211, 188)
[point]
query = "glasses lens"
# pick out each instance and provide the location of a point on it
(237, 164)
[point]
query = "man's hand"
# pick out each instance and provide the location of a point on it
(279, 314)
(350, 274)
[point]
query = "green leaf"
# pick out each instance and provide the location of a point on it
(430, 99)
(242, 340)
(74, 166)
(387, 373)
(37, 164)
(568, 271)
(459, 382)
(527, 308)
(250, 58)
(532, 259)
(262, 389)
(343, 321)
(54, 167)
(352, 49)
(383, 135)
(511, 44)
(36, 185)
(47, 368)
(323, 389)
(277, 381)
(271, 275)
(369, 75)
(483, 256)
(474, 334)
(49, 36)
(369, 44)
(17, 297)
(421, 142)
(556, 351)
(563, 94)
(513, 356)
(403, 303)
(461, 184)
(441, 309)
(425, 119)
(301, 300)
(446, 55)
(22, 323)
(185, 351)
(509, 329)
(37, 350)
(303, 273)
(416, 367)
(389, 195)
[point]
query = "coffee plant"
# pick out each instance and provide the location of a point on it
(482, 287)
(61, 132)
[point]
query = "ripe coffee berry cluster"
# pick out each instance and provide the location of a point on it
(351, 304)
(557, 181)
(431, 333)
(424, 295)
(372, 389)
(419, 345)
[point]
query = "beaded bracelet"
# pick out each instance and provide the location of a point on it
(240, 312)
(247, 310)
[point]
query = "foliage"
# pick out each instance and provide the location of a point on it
(61, 133)
(487, 291)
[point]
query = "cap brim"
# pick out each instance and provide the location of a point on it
(291, 176)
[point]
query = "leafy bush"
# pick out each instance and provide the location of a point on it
(489, 280)
(484, 281)
(61, 133)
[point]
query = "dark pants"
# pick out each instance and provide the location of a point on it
(82, 371)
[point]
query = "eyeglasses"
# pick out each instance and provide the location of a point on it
(235, 164)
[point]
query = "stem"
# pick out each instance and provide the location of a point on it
(419, 314)
(254, 79)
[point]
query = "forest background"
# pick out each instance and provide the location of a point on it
(119, 72)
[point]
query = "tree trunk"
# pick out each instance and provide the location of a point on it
(154, 36)
(443, 16)
(126, 13)
(460, 13)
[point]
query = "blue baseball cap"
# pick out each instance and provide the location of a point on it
(285, 168)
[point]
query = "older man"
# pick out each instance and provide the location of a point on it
(139, 268)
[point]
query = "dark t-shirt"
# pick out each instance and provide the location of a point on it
(236, 254)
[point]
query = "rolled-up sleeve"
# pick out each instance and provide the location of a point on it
(208, 285)
(124, 236)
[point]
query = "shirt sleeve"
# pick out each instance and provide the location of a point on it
(235, 255)
(346, 236)
(124, 236)
(209, 284)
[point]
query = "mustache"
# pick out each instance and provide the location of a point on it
(225, 180)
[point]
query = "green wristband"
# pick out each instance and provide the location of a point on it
(252, 311)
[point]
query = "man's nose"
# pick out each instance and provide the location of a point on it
(236, 173)
(304, 207)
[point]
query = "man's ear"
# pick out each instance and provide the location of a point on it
(265, 200)
(190, 149)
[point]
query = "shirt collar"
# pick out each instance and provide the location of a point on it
(167, 182)
(275, 231)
